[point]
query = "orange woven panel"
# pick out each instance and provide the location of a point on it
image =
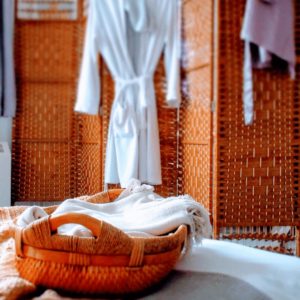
(257, 166)
(195, 113)
(195, 159)
(195, 143)
(197, 31)
(41, 171)
(46, 51)
(56, 153)
(88, 175)
(39, 112)
(88, 128)
(168, 127)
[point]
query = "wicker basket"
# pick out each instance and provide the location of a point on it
(111, 262)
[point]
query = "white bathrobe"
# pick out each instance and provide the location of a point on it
(131, 36)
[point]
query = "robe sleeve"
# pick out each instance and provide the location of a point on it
(88, 92)
(172, 55)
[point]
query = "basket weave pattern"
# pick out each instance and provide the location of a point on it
(256, 183)
(109, 262)
(247, 176)
(256, 168)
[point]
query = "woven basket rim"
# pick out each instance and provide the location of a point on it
(108, 240)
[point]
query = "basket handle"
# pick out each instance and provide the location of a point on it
(87, 221)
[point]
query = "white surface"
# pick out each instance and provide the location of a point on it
(5, 130)
(5, 174)
(277, 275)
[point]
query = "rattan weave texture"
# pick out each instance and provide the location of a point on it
(252, 170)
(45, 50)
(56, 153)
(110, 262)
(256, 182)
(195, 118)
(256, 168)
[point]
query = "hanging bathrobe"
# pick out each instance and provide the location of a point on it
(131, 36)
(268, 31)
(7, 73)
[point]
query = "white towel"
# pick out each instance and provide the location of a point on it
(30, 214)
(138, 211)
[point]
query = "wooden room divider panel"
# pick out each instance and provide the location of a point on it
(195, 139)
(247, 176)
(256, 167)
(56, 152)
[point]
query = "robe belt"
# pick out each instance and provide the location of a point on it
(140, 81)
(127, 120)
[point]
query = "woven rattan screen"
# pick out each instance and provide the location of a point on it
(56, 153)
(256, 168)
(247, 176)
(195, 143)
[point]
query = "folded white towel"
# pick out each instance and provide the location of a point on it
(30, 214)
(138, 211)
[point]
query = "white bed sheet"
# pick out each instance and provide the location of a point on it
(276, 275)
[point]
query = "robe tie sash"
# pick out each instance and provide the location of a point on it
(129, 117)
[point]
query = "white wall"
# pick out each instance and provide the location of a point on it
(5, 130)
(5, 162)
